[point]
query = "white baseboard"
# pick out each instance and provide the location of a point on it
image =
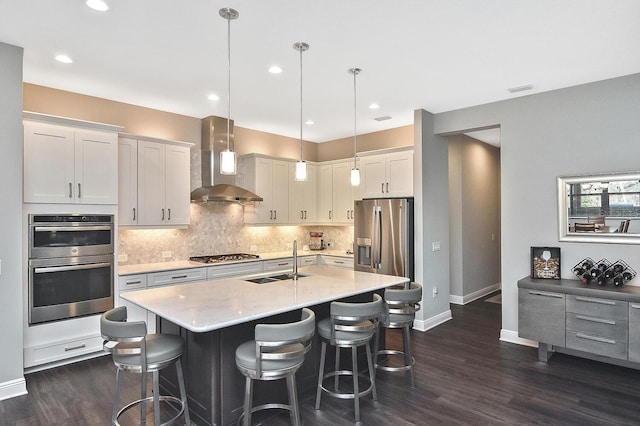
(512, 337)
(429, 323)
(13, 388)
(463, 300)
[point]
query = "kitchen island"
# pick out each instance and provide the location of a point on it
(215, 316)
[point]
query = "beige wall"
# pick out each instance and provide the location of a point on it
(249, 141)
(135, 119)
(343, 148)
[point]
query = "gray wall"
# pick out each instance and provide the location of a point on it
(591, 128)
(11, 376)
(474, 214)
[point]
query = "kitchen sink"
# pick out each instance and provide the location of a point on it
(273, 278)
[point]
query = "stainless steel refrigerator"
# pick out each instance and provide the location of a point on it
(383, 237)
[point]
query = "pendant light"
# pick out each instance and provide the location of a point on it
(355, 172)
(301, 165)
(228, 157)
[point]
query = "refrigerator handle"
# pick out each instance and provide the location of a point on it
(377, 237)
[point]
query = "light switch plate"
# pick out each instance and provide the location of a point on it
(435, 246)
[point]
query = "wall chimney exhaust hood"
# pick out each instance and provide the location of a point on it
(215, 186)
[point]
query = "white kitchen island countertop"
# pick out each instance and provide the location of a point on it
(211, 305)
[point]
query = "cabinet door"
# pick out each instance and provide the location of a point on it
(325, 193)
(280, 191)
(541, 316)
(177, 184)
(399, 174)
(263, 187)
(373, 176)
(634, 332)
(151, 183)
(127, 181)
(96, 167)
(303, 196)
(48, 164)
(342, 193)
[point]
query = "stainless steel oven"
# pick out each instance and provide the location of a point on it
(71, 266)
(70, 235)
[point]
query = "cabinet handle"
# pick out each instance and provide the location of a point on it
(73, 348)
(387, 187)
(305, 214)
(635, 306)
(595, 339)
(169, 214)
(338, 261)
(382, 187)
(301, 214)
(270, 214)
(133, 282)
(275, 215)
(599, 320)
(329, 214)
(134, 213)
(176, 277)
(70, 190)
(79, 190)
(162, 214)
(537, 293)
(599, 301)
(283, 264)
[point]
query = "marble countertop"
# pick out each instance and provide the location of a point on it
(210, 305)
(145, 268)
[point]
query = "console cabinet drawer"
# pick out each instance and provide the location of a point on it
(541, 316)
(176, 276)
(595, 307)
(634, 332)
(605, 346)
(596, 326)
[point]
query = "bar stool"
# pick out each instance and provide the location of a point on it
(401, 305)
(135, 350)
(278, 351)
(350, 325)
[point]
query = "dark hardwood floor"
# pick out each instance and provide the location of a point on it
(464, 376)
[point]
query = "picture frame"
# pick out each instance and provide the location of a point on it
(545, 263)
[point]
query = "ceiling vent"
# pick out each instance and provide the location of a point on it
(383, 118)
(520, 88)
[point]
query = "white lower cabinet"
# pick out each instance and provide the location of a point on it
(234, 270)
(61, 350)
(178, 276)
(338, 261)
(307, 260)
(278, 265)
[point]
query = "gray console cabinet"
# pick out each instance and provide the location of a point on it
(634, 332)
(541, 316)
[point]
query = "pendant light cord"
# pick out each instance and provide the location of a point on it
(301, 50)
(228, 79)
(355, 120)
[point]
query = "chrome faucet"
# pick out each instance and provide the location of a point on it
(295, 260)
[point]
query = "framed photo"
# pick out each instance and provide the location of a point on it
(545, 263)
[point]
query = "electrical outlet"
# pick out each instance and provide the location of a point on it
(435, 292)
(289, 246)
(122, 257)
(166, 254)
(253, 248)
(435, 246)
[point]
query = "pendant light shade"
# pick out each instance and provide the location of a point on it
(228, 157)
(355, 172)
(301, 165)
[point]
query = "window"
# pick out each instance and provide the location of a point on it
(611, 199)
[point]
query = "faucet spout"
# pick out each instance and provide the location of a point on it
(295, 260)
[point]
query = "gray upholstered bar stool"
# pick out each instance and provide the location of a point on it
(277, 352)
(401, 305)
(350, 325)
(136, 351)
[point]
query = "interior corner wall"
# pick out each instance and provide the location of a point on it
(591, 128)
(431, 219)
(456, 259)
(12, 381)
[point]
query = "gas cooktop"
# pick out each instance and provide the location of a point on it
(217, 258)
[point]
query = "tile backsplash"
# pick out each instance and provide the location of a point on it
(218, 228)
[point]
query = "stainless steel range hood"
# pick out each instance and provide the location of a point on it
(217, 187)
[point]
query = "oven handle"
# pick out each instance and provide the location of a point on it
(71, 267)
(73, 228)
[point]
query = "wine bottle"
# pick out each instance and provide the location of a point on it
(617, 280)
(627, 276)
(586, 278)
(617, 268)
(594, 272)
(601, 280)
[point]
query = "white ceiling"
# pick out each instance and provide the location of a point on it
(438, 55)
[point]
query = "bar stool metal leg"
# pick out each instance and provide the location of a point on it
(323, 355)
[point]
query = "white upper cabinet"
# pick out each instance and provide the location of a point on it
(269, 179)
(154, 182)
(68, 164)
(335, 193)
(387, 175)
(303, 195)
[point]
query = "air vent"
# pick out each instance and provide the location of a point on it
(520, 88)
(383, 118)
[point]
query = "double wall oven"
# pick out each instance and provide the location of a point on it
(71, 266)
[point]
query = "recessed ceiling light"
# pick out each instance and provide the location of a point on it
(275, 69)
(98, 5)
(374, 106)
(64, 59)
(520, 88)
(309, 122)
(213, 97)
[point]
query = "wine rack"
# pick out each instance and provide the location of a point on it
(603, 272)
